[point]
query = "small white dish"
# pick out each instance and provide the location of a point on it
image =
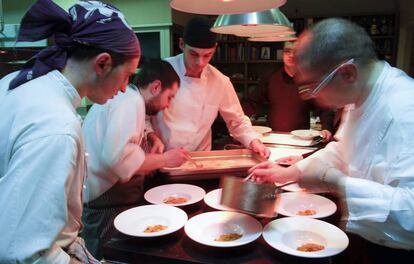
(160, 194)
(288, 233)
(305, 205)
(294, 187)
(262, 129)
(306, 133)
(134, 221)
(207, 227)
(212, 199)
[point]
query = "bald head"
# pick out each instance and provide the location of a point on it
(331, 42)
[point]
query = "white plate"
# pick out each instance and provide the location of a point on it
(294, 187)
(278, 152)
(286, 139)
(306, 133)
(262, 129)
(159, 194)
(134, 221)
(291, 203)
(212, 199)
(205, 228)
(288, 233)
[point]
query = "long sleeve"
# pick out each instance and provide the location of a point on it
(34, 208)
(238, 124)
(384, 210)
(121, 143)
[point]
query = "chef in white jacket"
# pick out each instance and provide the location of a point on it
(42, 152)
(205, 92)
(371, 166)
(117, 163)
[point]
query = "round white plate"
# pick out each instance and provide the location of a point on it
(288, 233)
(134, 221)
(262, 129)
(212, 199)
(306, 133)
(294, 187)
(159, 194)
(205, 228)
(292, 203)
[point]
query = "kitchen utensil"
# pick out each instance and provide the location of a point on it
(255, 198)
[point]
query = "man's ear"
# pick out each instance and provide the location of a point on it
(102, 64)
(181, 44)
(155, 87)
(349, 73)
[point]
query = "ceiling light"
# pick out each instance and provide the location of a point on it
(273, 38)
(219, 7)
(249, 24)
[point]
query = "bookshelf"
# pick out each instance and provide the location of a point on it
(382, 28)
(244, 62)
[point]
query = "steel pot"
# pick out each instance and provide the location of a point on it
(249, 196)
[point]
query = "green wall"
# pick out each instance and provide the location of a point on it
(137, 12)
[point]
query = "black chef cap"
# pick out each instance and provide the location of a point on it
(197, 33)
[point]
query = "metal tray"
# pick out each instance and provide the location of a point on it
(217, 162)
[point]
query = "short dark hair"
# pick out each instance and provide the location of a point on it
(157, 69)
(333, 41)
(80, 52)
(197, 33)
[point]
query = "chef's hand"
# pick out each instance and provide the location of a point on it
(327, 135)
(257, 146)
(175, 157)
(289, 160)
(272, 173)
(157, 146)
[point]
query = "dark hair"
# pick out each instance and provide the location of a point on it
(197, 33)
(157, 69)
(333, 41)
(82, 52)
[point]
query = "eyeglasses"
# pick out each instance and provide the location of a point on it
(307, 88)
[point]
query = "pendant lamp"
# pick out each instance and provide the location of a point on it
(249, 24)
(219, 7)
(275, 38)
(278, 32)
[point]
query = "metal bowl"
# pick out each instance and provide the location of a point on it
(251, 197)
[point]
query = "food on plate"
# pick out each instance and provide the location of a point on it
(155, 228)
(310, 247)
(306, 212)
(228, 237)
(175, 200)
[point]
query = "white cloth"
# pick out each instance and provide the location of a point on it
(187, 121)
(113, 133)
(376, 151)
(41, 170)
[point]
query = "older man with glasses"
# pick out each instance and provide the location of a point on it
(285, 108)
(371, 166)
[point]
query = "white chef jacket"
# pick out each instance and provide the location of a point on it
(187, 121)
(113, 134)
(376, 151)
(41, 169)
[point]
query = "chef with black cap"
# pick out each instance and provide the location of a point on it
(204, 92)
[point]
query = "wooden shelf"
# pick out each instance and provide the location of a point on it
(382, 28)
